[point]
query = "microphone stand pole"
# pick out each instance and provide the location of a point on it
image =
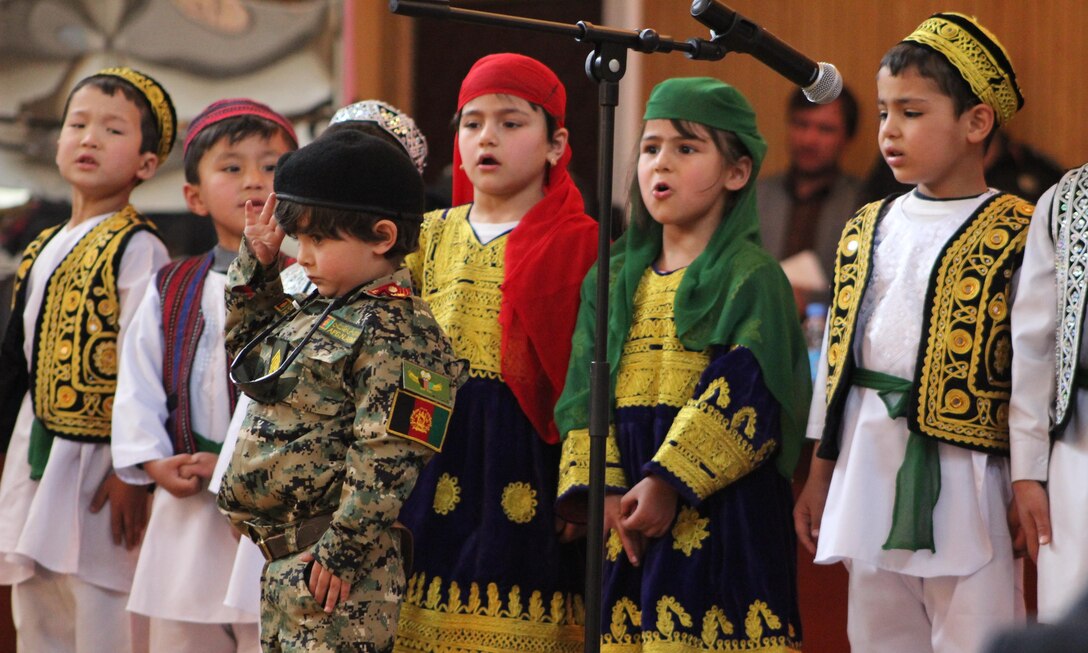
(606, 65)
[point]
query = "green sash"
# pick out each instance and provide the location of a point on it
(918, 482)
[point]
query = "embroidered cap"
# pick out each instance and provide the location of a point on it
(392, 121)
(162, 107)
(977, 55)
(231, 108)
(352, 171)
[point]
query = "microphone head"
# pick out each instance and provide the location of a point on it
(827, 86)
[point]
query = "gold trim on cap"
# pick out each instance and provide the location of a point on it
(991, 82)
(160, 102)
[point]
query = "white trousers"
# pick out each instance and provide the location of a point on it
(60, 613)
(169, 636)
(891, 612)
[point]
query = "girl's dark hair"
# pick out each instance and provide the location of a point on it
(550, 122)
(338, 223)
(236, 129)
(110, 85)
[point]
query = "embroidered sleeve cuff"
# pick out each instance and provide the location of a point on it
(705, 450)
(574, 464)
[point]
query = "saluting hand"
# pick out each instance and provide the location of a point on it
(262, 232)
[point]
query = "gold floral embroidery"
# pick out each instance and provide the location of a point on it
(668, 608)
(574, 462)
(624, 612)
(673, 630)
(655, 368)
(707, 451)
(614, 546)
(715, 624)
(447, 494)
(461, 280)
(519, 502)
(851, 277)
(753, 625)
(503, 623)
(690, 531)
(964, 380)
(75, 356)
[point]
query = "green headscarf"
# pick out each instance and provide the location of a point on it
(734, 293)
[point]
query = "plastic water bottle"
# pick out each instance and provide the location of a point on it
(815, 318)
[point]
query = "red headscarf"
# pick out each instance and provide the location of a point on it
(547, 254)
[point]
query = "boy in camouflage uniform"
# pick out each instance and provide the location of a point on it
(352, 387)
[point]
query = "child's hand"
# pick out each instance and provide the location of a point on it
(632, 541)
(326, 587)
(128, 509)
(1033, 507)
(169, 474)
(262, 232)
(569, 531)
(808, 511)
(649, 507)
(201, 465)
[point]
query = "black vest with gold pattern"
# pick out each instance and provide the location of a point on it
(73, 371)
(962, 380)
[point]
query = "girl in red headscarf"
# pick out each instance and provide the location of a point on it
(501, 272)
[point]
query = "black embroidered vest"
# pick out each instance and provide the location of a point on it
(960, 390)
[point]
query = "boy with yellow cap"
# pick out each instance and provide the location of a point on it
(69, 526)
(919, 330)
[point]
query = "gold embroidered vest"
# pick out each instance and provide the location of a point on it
(960, 390)
(461, 279)
(73, 371)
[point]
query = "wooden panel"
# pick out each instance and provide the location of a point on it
(854, 35)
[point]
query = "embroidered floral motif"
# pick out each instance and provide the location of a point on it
(753, 625)
(668, 608)
(447, 494)
(689, 532)
(624, 612)
(715, 624)
(497, 623)
(655, 368)
(964, 380)
(519, 502)
(463, 288)
(614, 545)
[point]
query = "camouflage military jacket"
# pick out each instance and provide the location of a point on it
(350, 423)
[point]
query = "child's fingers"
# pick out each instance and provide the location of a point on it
(333, 595)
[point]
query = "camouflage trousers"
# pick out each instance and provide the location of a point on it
(291, 620)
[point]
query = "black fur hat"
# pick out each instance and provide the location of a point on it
(352, 171)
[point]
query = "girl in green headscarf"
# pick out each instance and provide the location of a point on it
(711, 386)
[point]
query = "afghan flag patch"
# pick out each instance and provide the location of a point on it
(419, 418)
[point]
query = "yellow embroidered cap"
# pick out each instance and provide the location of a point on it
(162, 107)
(977, 55)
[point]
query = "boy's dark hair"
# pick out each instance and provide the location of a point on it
(236, 129)
(110, 85)
(295, 218)
(848, 106)
(929, 64)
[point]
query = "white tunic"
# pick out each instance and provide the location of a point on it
(188, 550)
(244, 588)
(1063, 564)
(48, 521)
(969, 521)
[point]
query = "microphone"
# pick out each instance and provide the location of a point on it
(821, 82)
